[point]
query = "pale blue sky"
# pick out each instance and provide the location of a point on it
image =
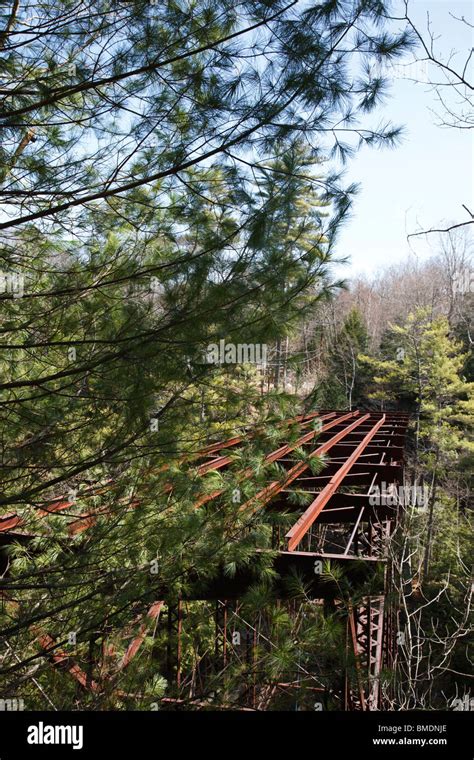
(423, 182)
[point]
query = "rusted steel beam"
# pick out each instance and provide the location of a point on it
(248, 472)
(9, 522)
(179, 630)
(268, 493)
(220, 639)
(354, 531)
(344, 515)
(392, 452)
(378, 657)
(63, 659)
(367, 632)
(355, 649)
(384, 472)
(153, 614)
(12, 520)
(296, 533)
(327, 555)
(214, 447)
(220, 462)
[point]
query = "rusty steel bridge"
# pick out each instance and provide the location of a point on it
(342, 525)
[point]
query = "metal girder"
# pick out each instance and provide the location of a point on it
(62, 659)
(278, 454)
(296, 533)
(341, 525)
(366, 623)
(268, 493)
(153, 614)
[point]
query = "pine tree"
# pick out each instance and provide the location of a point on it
(136, 137)
(426, 367)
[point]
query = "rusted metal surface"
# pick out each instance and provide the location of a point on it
(62, 659)
(296, 533)
(153, 614)
(342, 524)
(366, 623)
(87, 519)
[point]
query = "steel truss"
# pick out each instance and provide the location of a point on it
(342, 523)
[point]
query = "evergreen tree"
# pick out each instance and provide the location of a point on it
(144, 153)
(427, 367)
